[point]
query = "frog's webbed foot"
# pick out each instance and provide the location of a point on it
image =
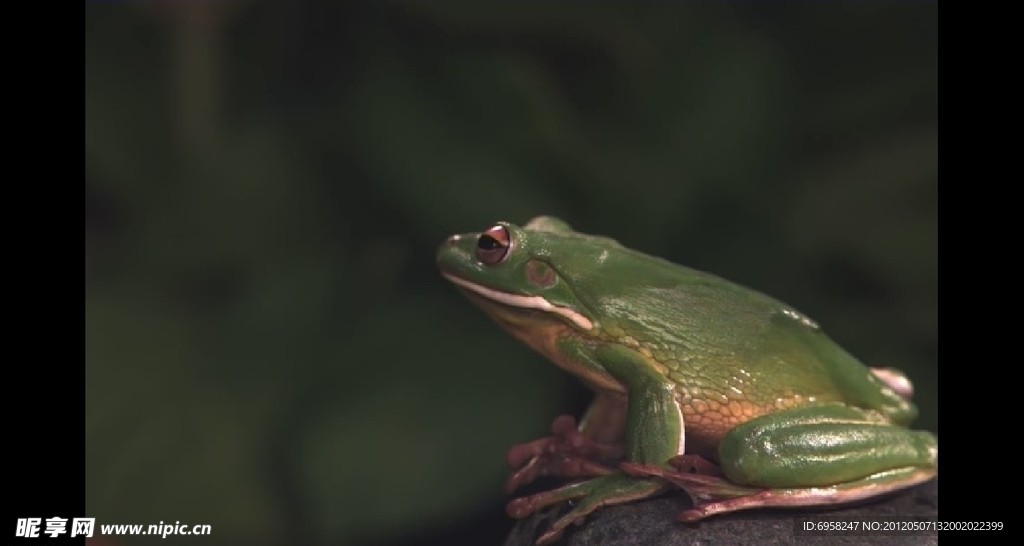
(701, 480)
(567, 453)
(606, 490)
(713, 495)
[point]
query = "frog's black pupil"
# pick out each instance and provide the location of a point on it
(487, 242)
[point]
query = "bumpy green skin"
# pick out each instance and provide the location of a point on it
(742, 378)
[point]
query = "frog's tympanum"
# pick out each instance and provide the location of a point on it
(735, 397)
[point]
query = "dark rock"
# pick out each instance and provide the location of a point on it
(653, 523)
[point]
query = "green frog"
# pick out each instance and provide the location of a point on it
(737, 398)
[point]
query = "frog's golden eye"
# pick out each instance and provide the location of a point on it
(493, 245)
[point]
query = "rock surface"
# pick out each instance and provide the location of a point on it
(652, 523)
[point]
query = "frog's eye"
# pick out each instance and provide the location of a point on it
(493, 245)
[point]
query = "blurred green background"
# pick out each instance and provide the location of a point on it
(269, 347)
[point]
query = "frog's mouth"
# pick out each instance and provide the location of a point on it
(523, 302)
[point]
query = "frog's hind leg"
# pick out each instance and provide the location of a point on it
(812, 456)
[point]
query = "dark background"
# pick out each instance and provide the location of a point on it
(269, 348)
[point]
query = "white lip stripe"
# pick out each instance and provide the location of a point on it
(527, 302)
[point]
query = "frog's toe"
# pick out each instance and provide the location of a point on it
(564, 466)
(593, 494)
(700, 487)
(567, 453)
(524, 506)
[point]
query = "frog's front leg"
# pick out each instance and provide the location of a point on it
(653, 434)
(812, 456)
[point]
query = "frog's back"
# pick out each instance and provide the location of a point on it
(734, 353)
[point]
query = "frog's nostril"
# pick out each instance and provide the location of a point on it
(454, 239)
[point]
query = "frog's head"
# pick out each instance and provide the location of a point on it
(521, 273)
